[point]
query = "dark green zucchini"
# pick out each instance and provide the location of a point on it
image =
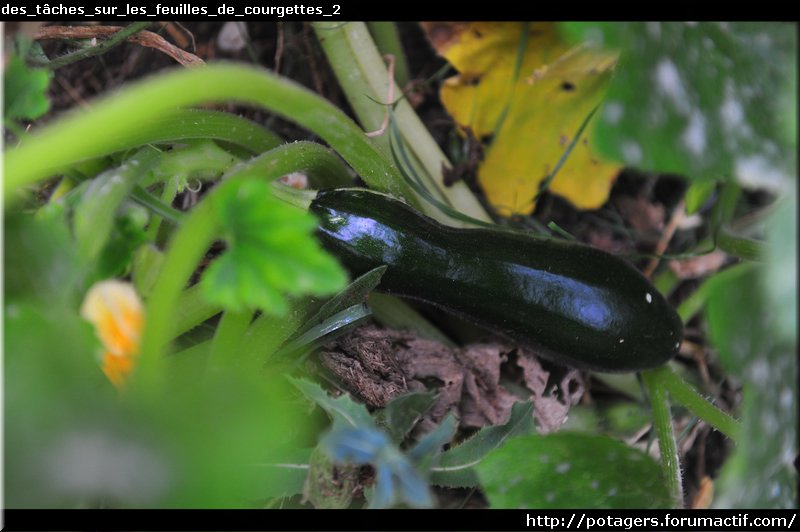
(571, 303)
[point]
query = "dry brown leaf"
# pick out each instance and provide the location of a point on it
(376, 365)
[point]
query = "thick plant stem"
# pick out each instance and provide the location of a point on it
(186, 249)
(87, 134)
(227, 338)
(662, 419)
(388, 40)
(364, 77)
(321, 165)
(681, 392)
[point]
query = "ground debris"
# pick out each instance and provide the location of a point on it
(376, 365)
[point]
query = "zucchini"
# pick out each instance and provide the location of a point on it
(574, 304)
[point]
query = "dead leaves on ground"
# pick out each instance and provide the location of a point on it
(377, 365)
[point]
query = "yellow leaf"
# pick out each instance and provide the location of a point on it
(115, 311)
(534, 117)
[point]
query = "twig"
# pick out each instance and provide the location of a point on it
(672, 226)
(181, 34)
(113, 36)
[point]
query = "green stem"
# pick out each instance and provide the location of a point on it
(387, 38)
(192, 239)
(88, 134)
(740, 246)
(322, 166)
(298, 198)
(101, 47)
(188, 124)
(227, 339)
(364, 78)
(192, 309)
(683, 393)
(662, 421)
(201, 159)
(160, 208)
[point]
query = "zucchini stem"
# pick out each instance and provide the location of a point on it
(662, 420)
(688, 397)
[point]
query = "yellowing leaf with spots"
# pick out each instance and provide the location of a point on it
(533, 103)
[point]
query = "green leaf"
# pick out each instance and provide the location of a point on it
(457, 465)
(401, 413)
(698, 194)
(271, 253)
(430, 446)
(699, 99)
(343, 410)
(737, 334)
(355, 293)
(127, 235)
(331, 328)
(25, 91)
(752, 321)
(566, 470)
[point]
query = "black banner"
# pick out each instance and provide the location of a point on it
(587, 520)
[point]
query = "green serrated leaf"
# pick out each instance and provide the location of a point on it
(401, 413)
(566, 470)
(343, 410)
(699, 99)
(25, 91)
(271, 253)
(430, 445)
(457, 465)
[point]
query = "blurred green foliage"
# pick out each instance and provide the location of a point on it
(571, 470)
(706, 100)
(72, 440)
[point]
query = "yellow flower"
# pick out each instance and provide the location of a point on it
(116, 312)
